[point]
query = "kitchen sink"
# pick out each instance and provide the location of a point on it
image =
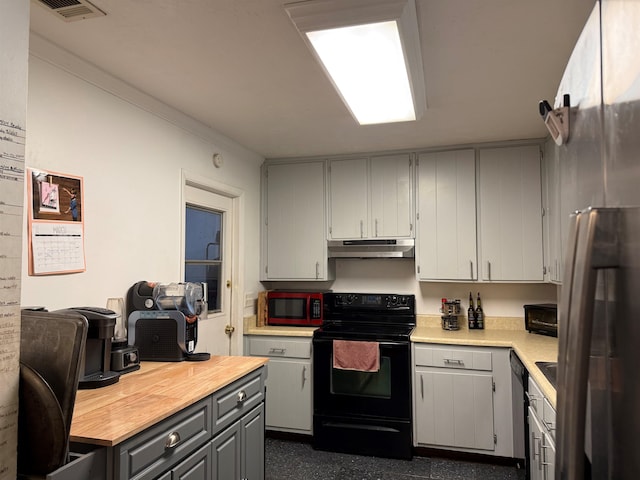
(550, 370)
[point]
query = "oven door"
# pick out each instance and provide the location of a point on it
(382, 394)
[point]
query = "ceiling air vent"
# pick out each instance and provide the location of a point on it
(71, 10)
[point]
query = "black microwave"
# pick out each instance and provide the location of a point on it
(542, 318)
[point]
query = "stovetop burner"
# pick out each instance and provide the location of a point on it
(365, 316)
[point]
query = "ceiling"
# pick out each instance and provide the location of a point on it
(241, 68)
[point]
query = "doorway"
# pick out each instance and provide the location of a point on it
(210, 254)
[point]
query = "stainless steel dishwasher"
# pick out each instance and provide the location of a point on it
(519, 380)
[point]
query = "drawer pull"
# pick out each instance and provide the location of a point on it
(448, 361)
(172, 440)
(242, 396)
(279, 351)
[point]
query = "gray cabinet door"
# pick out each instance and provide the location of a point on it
(455, 409)
(252, 426)
(510, 214)
(295, 202)
(196, 467)
(289, 394)
(226, 453)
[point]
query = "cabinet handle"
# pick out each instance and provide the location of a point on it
(304, 375)
(376, 227)
(448, 361)
(471, 269)
(422, 386)
(172, 441)
(317, 270)
(361, 229)
(536, 452)
(543, 457)
(489, 271)
(242, 396)
(532, 399)
(279, 351)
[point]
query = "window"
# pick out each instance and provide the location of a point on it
(203, 251)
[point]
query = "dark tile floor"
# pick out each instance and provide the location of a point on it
(289, 460)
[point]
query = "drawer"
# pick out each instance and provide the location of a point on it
(238, 398)
(535, 396)
(157, 448)
(453, 358)
(549, 418)
(279, 347)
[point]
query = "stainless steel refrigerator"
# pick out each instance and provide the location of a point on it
(598, 395)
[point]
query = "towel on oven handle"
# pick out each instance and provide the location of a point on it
(356, 355)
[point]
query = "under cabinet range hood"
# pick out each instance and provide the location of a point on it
(388, 248)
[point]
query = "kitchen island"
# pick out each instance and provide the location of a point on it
(172, 418)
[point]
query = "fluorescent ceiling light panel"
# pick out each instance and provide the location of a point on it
(370, 50)
(367, 66)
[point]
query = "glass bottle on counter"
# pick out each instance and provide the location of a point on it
(479, 313)
(471, 313)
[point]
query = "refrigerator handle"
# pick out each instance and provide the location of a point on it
(591, 246)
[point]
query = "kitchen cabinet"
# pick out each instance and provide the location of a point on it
(552, 218)
(510, 214)
(238, 452)
(294, 245)
(542, 421)
(371, 197)
(462, 399)
(289, 405)
(446, 216)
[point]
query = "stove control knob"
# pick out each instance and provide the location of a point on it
(350, 298)
(393, 300)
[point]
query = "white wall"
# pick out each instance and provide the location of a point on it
(131, 161)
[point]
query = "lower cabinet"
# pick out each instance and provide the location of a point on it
(455, 409)
(238, 452)
(462, 399)
(542, 448)
(288, 398)
(196, 467)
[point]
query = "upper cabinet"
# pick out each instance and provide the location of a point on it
(294, 241)
(510, 214)
(371, 197)
(446, 216)
(552, 219)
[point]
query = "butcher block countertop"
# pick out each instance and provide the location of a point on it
(109, 415)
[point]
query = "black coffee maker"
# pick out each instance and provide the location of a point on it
(95, 369)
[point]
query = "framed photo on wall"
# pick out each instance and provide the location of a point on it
(56, 223)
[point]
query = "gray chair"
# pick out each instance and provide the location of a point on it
(51, 348)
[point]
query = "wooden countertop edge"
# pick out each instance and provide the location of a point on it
(150, 395)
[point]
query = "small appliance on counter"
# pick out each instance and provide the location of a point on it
(450, 309)
(163, 320)
(295, 308)
(95, 368)
(541, 318)
(124, 357)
